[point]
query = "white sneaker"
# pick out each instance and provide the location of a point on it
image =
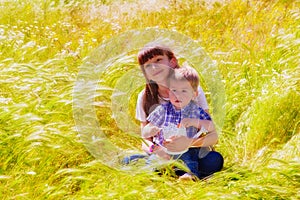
(186, 177)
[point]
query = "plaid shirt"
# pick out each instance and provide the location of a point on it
(166, 113)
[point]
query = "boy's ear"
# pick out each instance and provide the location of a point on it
(195, 94)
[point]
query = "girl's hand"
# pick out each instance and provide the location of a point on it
(178, 143)
(161, 153)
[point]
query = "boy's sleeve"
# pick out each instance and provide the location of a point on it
(204, 115)
(157, 116)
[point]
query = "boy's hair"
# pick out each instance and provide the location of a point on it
(186, 74)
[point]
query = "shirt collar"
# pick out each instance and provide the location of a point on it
(187, 108)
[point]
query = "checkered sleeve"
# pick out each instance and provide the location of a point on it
(157, 117)
(203, 114)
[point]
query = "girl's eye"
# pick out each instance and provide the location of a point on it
(148, 65)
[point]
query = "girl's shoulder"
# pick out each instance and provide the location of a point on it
(142, 92)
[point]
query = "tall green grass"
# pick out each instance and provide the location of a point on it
(43, 43)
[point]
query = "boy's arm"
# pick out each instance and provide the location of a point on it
(197, 123)
(154, 120)
(181, 143)
(148, 127)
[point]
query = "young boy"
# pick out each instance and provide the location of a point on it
(184, 112)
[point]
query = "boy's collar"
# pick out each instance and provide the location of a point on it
(182, 109)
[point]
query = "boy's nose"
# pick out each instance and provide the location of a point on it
(176, 95)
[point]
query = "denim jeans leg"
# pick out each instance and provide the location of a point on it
(190, 159)
(211, 163)
(132, 158)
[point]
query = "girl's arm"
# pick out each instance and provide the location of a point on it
(210, 139)
(201, 100)
(143, 124)
(147, 143)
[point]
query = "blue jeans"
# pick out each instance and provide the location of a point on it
(201, 167)
(132, 158)
(149, 159)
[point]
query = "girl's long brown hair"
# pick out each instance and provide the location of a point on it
(150, 98)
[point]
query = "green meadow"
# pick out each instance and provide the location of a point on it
(45, 45)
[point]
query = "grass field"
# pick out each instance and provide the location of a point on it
(45, 47)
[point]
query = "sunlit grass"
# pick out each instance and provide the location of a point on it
(43, 43)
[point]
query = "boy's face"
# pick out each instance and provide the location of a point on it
(181, 93)
(157, 68)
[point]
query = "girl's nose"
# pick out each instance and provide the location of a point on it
(153, 66)
(150, 66)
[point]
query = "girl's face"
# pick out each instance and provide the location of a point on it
(181, 93)
(157, 68)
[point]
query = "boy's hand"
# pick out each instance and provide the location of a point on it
(150, 131)
(154, 130)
